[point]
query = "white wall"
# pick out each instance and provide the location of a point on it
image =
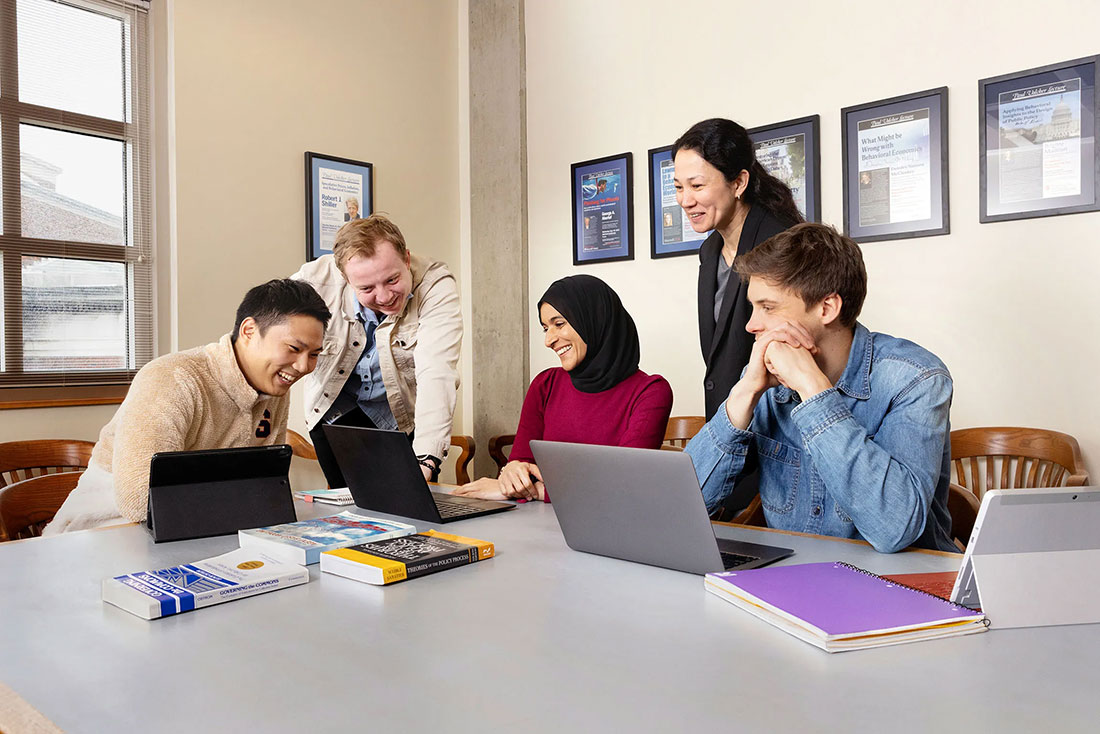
(1010, 307)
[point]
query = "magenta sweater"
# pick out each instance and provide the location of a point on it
(633, 413)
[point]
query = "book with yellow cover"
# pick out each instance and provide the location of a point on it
(397, 559)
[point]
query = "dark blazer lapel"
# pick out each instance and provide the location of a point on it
(749, 232)
(709, 252)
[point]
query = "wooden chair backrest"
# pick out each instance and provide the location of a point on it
(682, 428)
(467, 448)
(21, 460)
(26, 506)
(300, 445)
(1013, 458)
(303, 448)
(498, 446)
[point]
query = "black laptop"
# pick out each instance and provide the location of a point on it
(383, 475)
(196, 494)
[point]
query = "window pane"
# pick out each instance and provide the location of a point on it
(3, 316)
(73, 186)
(72, 59)
(75, 315)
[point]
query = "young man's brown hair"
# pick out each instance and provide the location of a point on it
(814, 261)
(361, 237)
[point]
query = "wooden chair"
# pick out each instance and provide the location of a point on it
(303, 448)
(498, 446)
(21, 460)
(1012, 458)
(467, 448)
(753, 514)
(681, 429)
(300, 446)
(963, 506)
(26, 506)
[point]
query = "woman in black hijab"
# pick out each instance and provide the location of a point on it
(597, 396)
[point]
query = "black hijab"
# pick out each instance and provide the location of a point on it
(597, 315)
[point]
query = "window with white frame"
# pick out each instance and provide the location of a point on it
(75, 212)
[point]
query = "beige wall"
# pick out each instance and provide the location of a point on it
(253, 85)
(1011, 307)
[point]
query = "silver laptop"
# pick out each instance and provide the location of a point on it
(639, 505)
(1035, 553)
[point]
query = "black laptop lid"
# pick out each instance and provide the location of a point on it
(382, 472)
(196, 494)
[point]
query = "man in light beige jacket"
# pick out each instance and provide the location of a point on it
(223, 395)
(392, 347)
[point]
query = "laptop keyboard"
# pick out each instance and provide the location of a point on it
(454, 509)
(733, 560)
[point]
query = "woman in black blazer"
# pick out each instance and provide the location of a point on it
(722, 187)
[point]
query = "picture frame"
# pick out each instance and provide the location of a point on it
(670, 232)
(791, 151)
(1037, 142)
(333, 185)
(602, 192)
(894, 154)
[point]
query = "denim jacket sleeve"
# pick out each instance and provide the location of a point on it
(884, 482)
(719, 453)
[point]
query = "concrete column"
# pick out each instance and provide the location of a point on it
(498, 337)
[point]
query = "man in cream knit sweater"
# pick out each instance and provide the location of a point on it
(231, 393)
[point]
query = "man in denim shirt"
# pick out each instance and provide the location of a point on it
(849, 427)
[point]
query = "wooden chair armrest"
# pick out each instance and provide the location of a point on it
(1078, 480)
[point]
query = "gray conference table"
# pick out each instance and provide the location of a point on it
(540, 638)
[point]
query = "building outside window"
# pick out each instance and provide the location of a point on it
(75, 220)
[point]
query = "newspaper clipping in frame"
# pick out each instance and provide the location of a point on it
(339, 199)
(895, 169)
(1039, 153)
(675, 226)
(602, 210)
(785, 158)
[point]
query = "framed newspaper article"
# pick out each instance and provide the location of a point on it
(603, 209)
(791, 151)
(895, 167)
(337, 191)
(1037, 134)
(670, 232)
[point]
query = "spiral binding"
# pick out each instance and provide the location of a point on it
(865, 572)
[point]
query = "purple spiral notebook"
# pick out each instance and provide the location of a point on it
(832, 601)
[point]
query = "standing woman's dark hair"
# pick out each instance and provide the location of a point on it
(727, 146)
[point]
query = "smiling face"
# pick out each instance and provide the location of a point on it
(286, 352)
(353, 208)
(707, 198)
(561, 337)
(381, 282)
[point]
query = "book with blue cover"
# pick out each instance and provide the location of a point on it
(302, 542)
(234, 575)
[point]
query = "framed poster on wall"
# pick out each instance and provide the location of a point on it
(337, 191)
(670, 232)
(895, 167)
(603, 209)
(791, 151)
(1037, 142)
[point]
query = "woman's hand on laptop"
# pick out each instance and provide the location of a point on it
(485, 488)
(521, 480)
